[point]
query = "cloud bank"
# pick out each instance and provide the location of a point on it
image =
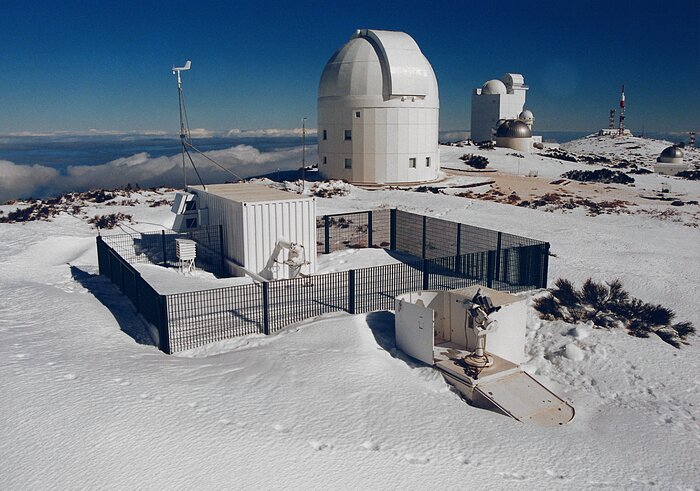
(23, 181)
(195, 132)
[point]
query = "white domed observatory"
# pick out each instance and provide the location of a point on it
(378, 111)
(495, 102)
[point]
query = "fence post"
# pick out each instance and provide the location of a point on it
(458, 260)
(109, 265)
(425, 218)
(369, 229)
(100, 255)
(137, 277)
(221, 250)
(497, 272)
(121, 278)
(326, 234)
(545, 266)
(351, 291)
(266, 307)
(392, 229)
(163, 332)
(490, 268)
(162, 241)
(426, 274)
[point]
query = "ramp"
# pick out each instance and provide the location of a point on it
(525, 399)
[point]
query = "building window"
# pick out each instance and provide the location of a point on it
(190, 223)
(427, 161)
(190, 205)
(325, 135)
(348, 134)
(348, 163)
(412, 163)
(357, 114)
(325, 160)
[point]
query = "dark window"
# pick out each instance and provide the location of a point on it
(427, 161)
(325, 135)
(190, 223)
(412, 163)
(348, 134)
(357, 114)
(325, 160)
(190, 205)
(348, 163)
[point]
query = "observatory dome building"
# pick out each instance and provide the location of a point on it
(670, 161)
(378, 111)
(514, 134)
(494, 102)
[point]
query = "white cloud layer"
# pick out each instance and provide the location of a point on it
(22, 181)
(195, 132)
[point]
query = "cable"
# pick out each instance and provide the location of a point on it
(193, 166)
(189, 144)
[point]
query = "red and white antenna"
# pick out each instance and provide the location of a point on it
(622, 111)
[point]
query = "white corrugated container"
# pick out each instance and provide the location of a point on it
(254, 218)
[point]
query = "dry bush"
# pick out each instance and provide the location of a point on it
(608, 305)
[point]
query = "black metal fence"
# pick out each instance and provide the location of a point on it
(446, 255)
(160, 247)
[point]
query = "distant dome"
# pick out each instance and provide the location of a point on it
(494, 87)
(513, 129)
(526, 115)
(672, 152)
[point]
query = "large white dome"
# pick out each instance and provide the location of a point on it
(494, 87)
(376, 67)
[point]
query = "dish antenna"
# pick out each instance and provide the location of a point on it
(185, 138)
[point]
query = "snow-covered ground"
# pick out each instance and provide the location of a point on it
(87, 401)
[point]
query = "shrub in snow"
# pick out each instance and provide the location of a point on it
(605, 176)
(476, 161)
(36, 211)
(109, 221)
(608, 305)
(487, 145)
(330, 188)
(693, 175)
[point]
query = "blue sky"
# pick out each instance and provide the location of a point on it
(74, 66)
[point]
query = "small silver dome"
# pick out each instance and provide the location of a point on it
(526, 115)
(672, 152)
(513, 129)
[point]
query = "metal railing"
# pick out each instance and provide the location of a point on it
(446, 255)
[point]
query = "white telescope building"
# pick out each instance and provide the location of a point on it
(497, 101)
(378, 111)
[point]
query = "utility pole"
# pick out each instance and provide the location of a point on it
(303, 153)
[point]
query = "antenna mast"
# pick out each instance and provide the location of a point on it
(184, 129)
(622, 111)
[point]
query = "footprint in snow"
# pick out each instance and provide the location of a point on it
(368, 445)
(144, 396)
(316, 445)
(416, 459)
(225, 421)
(70, 376)
(512, 476)
(20, 356)
(553, 474)
(280, 428)
(463, 459)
